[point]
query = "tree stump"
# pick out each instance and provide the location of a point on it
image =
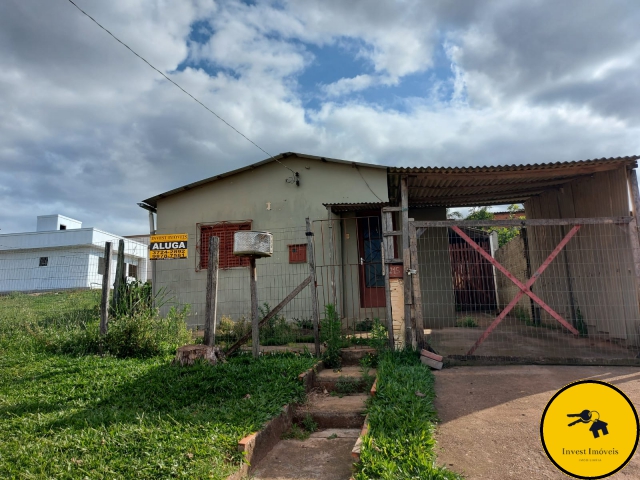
(188, 354)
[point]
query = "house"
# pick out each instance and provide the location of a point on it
(594, 281)
(61, 255)
(506, 215)
(342, 199)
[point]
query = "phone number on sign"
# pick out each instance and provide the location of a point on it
(162, 254)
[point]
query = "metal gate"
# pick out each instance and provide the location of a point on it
(578, 303)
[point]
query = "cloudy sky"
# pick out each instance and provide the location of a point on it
(87, 129)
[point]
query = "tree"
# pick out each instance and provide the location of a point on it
(505, 234)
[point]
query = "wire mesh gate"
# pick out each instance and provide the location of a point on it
(565, 291)
(350, 272)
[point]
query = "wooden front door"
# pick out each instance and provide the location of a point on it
(370, 259)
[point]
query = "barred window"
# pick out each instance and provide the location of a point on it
(224, 231)
(298, 253)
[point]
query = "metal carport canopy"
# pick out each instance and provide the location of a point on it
(492, 185)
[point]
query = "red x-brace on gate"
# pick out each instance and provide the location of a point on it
(525, 289)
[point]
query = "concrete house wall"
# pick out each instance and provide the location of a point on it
(262, 195)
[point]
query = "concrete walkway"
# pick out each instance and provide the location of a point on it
(490, 417)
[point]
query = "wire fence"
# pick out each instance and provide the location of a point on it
(583, 304)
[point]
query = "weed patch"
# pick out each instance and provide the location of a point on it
(467, 322)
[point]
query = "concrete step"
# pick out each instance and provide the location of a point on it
(333, 411)
(345, 380)
(325, 455)
(353, 355)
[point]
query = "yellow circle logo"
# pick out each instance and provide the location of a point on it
(589, 429)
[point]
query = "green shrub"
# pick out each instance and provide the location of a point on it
(364, 325)
(304, 323)
(331, 335)
(144, 335)
(467, 322)
(276, 331)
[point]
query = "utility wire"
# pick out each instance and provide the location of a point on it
(194, 98)
(367, 183)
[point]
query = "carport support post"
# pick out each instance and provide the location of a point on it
(255, 321)
(311, 259)
(212, 292)
(633, 225)
(106, 281)
(406, 260)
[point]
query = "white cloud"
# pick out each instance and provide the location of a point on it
(85, 123)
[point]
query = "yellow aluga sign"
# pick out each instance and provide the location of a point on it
(165, 247)
(589, 429)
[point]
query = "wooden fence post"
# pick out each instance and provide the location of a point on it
(255, 321)
(314, 293)
(212, 292)
(417, 322)
(120, 277)
(106, 281)
(387, 254)
(410, 336)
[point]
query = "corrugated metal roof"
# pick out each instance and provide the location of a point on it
(493, 185)
(153, 201)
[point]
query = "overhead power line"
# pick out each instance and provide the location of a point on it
(183, 90)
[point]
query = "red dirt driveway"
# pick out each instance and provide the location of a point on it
(490, 417)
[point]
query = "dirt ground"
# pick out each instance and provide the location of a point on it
(490, 417)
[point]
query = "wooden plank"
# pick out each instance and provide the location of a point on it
(393, 233)
(523, 223)
(417, 322)
(393, 261)
(117, 286)
(212, 292)
(391, 209)
(314, 292)
(255, 319)
(406, 257)
(387, 250)
(274, 311)
(106, 287)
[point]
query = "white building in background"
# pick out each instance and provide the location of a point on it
(61, 254)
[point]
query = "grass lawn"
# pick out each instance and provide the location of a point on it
(93, 417)
(402, 418)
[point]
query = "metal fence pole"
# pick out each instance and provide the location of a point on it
(212, 292)
(255, 320)
(106, 281)
(314, 293)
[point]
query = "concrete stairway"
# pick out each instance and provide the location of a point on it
(337, 405)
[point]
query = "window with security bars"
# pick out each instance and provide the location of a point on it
(224, 231)
(298, 253)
